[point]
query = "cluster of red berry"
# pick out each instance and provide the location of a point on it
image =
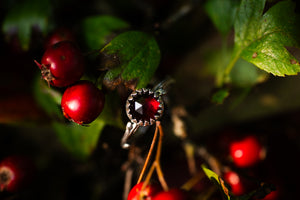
(155, 192)
(245, 153)
(63, 65)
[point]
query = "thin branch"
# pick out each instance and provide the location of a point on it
(149, 155)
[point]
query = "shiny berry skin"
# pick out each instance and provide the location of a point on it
(234, 180)
(59, 35)
(247, 151)
(15, 173)
(274, 195)
(62, 64)
(136, 193)
(82, 102)
(172, 194)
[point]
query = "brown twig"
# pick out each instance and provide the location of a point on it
(149, 155)
(127, 183)
(156, 163)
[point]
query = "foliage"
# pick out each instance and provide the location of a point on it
(222, 13)
(138, 54)
(260, 38)
(97, 30)
(243, 46)
(24, 17)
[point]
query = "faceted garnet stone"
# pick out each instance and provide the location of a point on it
(144, 106)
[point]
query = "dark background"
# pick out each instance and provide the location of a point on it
(24, 127)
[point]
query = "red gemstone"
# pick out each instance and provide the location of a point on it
(144, 107)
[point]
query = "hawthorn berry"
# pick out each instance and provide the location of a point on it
(274, 195)
(15, 173)
(82, 102)
(62, 64)
(58, 35)
(172, 194)
(246, 152)
(235, 183)
(137, 193)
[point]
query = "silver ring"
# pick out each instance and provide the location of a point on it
(143, 108)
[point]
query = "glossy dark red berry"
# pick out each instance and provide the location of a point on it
(172, 194)
(62, 64)
(137, 193)
(274, 195)
(235, 183)
(59, 35)
(15, 173)
(247, 151)
(82, 102)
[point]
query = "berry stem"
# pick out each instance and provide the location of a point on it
(148, 177)
(193, 181)
(210, 159)
(189, 150)
(157, 158)
(149, 155)
(156, 163)
(161, 177)
(228, 69)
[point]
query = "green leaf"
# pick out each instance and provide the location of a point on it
(98, 30)
(220, 96)
(222, 13)
(25, 15)
(112, 113)
(261, 38)
(217, 180)
(260, 192)
(138, 55)
(245, 74)
(79, 140)
(48, 98)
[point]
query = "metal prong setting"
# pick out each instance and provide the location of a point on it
(130, 129)
(134, 124)
(140, 92)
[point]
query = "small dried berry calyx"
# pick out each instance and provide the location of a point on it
(62, 64)
(6, 177)
(15, 173)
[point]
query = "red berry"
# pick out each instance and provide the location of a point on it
(15, 173)
(246, 152)
(272, 196)
(234, 180)
(58, 35)
(173, 194)
(136, 193)
(62, 64)
(82, 102)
